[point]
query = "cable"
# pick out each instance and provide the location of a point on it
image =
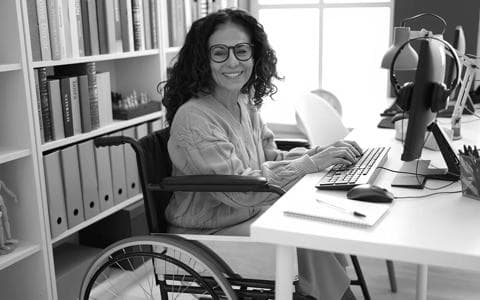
(426, 14)
(428, 195)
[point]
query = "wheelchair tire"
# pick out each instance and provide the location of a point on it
(155, 267)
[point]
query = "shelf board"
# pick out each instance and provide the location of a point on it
(102, 57)
(98, 217)
(9, 154)
(10, 67)
(22, 251)
(173, 50)
(116, 125)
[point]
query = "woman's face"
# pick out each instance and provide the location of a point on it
(232, 74)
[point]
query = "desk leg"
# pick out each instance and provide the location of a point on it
(422, 277)
(284, 272)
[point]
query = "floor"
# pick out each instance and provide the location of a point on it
(443, 283)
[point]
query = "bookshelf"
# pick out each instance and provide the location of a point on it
(28, 272)
(28, 263)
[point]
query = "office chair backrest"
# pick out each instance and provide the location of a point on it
(318, 120)
(330, 98)
(157, 165)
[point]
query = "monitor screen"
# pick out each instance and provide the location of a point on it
(430, 68)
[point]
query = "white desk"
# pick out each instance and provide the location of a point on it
(440, 230)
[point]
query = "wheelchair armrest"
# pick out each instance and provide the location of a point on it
(106, 141)
(287, 144)
(215, 183)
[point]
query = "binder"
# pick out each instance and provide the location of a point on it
(131, 169)
(55, 195)
(141, 130)
(117, 164)
(88, 176)
(104, 178)
(73, 189)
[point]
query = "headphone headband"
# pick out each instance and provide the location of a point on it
(454, 83)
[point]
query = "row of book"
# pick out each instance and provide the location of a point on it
(73, 99)
(83, 180)
(181, 13)
(62, 29)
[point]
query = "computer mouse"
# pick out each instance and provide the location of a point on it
(370, 193)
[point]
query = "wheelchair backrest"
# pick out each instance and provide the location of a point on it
(157, 165)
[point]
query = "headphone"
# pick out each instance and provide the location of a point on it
(440, 92)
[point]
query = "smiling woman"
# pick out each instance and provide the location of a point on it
(223, 72)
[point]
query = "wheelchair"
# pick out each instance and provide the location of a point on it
(171, 266)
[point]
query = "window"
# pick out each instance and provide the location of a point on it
(334, 44)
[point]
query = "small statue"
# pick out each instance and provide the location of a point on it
(7, 244)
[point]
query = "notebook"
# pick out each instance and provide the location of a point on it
(340, 210)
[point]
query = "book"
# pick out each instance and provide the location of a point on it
(76, 112)
(102, 27)
(45, 105)
(53, 25)
(76, 30)
(93, 27)
(154, 23)
(64, 30)
(34, 30)
(104, 99)
(339, 210)
(146, 25)
(43, 29)
(113, 34)
(66, 99)
(126, 25)
(39, 105)
(87, 47)
(137, 19)
(56, 108)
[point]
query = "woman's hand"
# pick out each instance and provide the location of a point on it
(341, 152)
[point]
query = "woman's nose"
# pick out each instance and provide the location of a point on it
(232, 59)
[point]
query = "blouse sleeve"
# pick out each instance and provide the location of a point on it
(205, 149)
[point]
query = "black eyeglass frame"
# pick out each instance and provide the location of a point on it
(228, 51)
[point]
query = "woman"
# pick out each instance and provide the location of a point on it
(224, 70)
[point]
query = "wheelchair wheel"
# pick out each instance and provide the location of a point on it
(155, 267)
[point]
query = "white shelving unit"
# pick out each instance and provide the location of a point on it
(29, 271)
(25, 272)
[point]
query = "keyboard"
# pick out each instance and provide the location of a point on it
(342, 177)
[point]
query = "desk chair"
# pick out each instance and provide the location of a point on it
(163, 265)
(318, 115)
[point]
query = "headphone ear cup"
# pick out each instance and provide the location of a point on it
(440, 97)
(405, 95)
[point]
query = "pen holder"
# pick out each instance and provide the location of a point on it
(470, 176)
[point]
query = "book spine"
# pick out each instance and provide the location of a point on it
(45, 104)
(63, 30)
(73, 30)
(84, 103)
(118, 26)
(93, 94)
(79, 25)
(104, 99)
(87, 47)
(39, 105)
(126, 25)
(43, 29)
(102, 27)
(75, 97)
(34, 30)
(137, 16)
(146, 24)
(154, 23)
(53, 27)
(93, 25)
(56, 108)
(66, 99)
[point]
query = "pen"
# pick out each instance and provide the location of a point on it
(353, 212)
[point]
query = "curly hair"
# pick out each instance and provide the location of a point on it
(191, 75)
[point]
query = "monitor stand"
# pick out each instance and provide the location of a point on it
(419, 168)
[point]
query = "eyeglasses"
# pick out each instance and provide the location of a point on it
(220, 53)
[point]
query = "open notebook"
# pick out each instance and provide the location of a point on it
(339, 210)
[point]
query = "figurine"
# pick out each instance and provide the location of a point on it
(7, 244)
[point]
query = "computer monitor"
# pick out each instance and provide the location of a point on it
(421, 100)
